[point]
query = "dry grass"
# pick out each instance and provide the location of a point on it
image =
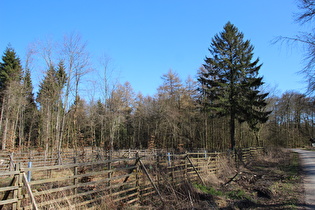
(272, 171)
(227, 168)
(270, 181)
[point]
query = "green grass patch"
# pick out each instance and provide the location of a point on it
(292, 170)
(208, 190)
(238, 194)
(234, 194)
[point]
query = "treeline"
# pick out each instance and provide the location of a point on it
(57, 117)
(291, 123)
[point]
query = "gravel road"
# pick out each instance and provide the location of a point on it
(308, 163)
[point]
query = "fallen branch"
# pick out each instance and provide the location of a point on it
(233, 178)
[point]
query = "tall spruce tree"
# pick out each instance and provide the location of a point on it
(30, 118)
(230, 82)
(11, 99)
(10, 68)
(50, 101)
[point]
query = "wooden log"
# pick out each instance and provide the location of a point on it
(29, 191)
(195, 170)
(149, 177)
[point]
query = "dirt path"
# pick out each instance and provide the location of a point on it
(308, 163)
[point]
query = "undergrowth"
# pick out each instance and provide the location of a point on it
(208, 190)
(272, 180)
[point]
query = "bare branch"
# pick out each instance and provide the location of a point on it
(308, 8)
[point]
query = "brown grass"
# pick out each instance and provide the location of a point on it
(268, 171)
(273, 172)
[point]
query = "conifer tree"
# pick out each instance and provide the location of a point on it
(50, 101)
(10, 68)
(11, 98)
(30, 123)
(230, 81)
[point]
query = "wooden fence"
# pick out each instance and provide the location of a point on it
(124, 177)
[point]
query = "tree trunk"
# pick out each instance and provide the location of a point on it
(232, 130)
(1, 120)
(4, 138)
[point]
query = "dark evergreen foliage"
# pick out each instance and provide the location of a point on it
(10, 68)
(30, 110)
(230, 82)
(51, 88)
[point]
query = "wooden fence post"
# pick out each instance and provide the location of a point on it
(59, 160)
(19, 195)
(216, 161)
(109, 167)
(158, 167)
(75, 173)
(185, 166)
(15, 182)
(172, 169)
(12, 167)
(45, 158)
(137, 175)
(31, 155)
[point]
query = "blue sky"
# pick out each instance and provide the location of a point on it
(147, 38)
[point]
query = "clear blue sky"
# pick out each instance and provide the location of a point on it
(147, 38)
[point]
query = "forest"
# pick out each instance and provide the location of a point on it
(224, 106)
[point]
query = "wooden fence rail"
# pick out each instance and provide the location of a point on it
(125, 177)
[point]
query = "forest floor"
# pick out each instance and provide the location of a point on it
(271, 181)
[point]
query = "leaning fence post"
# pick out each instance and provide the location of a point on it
(29, 190)
(195, 169)
(151, 180)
